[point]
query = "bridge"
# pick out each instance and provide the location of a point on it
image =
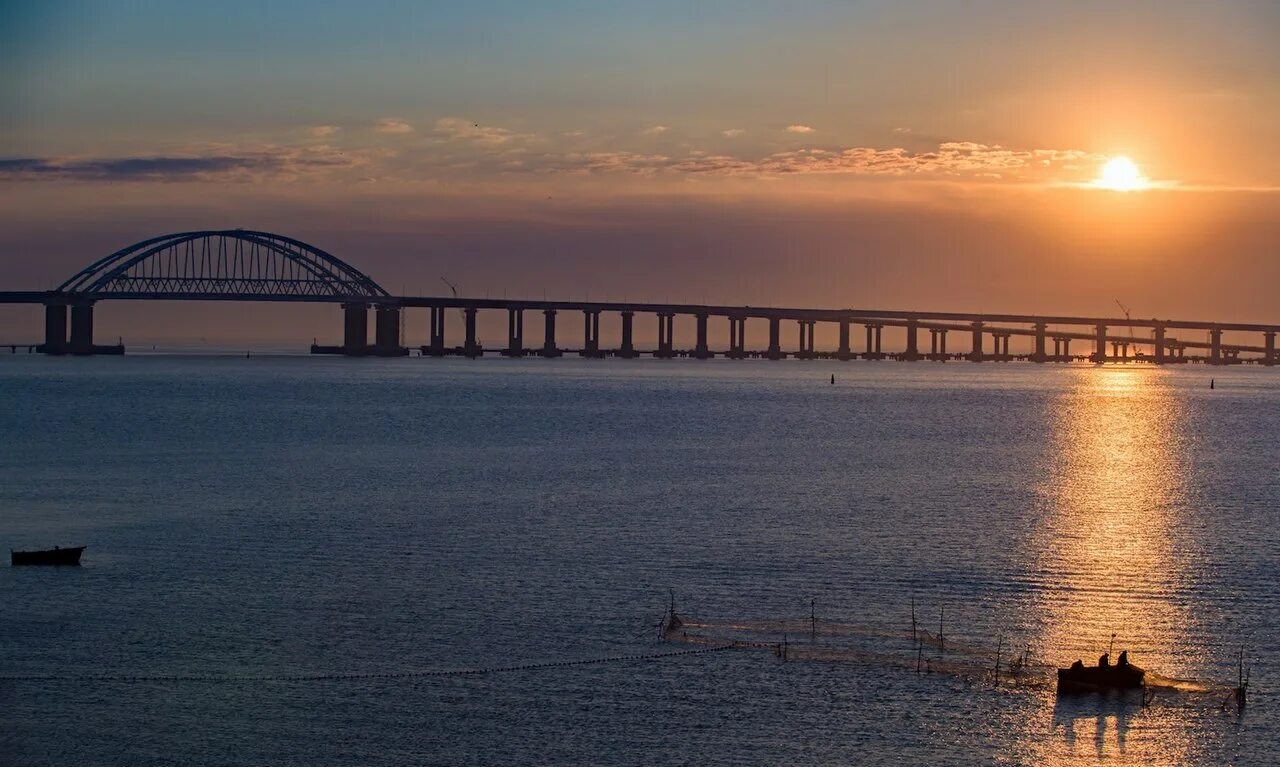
(244, 265)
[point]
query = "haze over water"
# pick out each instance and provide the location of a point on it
(276, 516)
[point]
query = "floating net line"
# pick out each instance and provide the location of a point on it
(323, 677)
(921, 651)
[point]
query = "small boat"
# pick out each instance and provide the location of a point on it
(1103, 677)
(54, 556)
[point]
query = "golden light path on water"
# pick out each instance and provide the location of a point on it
(1111, 556)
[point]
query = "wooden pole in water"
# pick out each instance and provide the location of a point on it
(914, 638)
(813, 621)
(942, 643)
(999, 647)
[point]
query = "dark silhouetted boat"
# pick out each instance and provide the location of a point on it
(1086, 679)
(54, 556)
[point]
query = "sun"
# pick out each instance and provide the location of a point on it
(1119, 174)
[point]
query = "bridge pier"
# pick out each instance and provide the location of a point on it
(590, 333)
(1099, 355)
(628, 350)
(700, 350)
(806, 352)
(355, 329)
(938, 344)
(55, 329)
(1159, 344)
(549, 349)
(386, 329)
(912, 353)
(1215, 346)
(775, 339)
(666, 336)
(1038, 354)
(975, 353)
(1269, 353)
(874, 332)
(470, 347)
(435, 343)
(81, 328)
(515, 333)
(737, 338)
(843, 352)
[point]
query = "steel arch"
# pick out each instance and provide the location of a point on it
(229, 263)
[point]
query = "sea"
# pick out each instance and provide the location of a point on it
(297, 560)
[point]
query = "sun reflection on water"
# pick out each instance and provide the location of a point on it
(1108, 560)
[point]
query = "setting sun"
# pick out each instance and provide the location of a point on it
(1119, 174)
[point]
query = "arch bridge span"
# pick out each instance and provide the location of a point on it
(248, 265)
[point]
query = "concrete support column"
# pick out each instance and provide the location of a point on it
(435, 334)
(549, 334)
(55, 329)
(775, 339)
(515, 333)
(913, 350)
(1269, 355)
(355, 329)
(1038, 355)
(843, 351)
(1100, 345)
(386, 331)
(801, 346)
(591, 333)
(701, 351)
(976, 354)
(1215, 341)
(942, 343)
(666, 336)
(471, 347)
(933, 343)
(1159, 344)
(628, 350)
(1005, 352)
(879, 352)
(737, 338)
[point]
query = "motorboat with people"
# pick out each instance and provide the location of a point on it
(54, 556)
(1104, 677)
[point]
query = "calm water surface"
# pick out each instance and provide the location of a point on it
(276, 516)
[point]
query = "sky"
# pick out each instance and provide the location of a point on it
(927, 155)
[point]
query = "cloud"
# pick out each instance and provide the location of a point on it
(799, 129)
(901, 130)
(574, 134)
(322, 131)
(459, 129)
(393, 125)
(950, 159)
(263, 164)
(655, 130)
(732, 132)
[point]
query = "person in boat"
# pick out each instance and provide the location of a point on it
(1077, 666)
(1123, 660)
(1104, 661)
